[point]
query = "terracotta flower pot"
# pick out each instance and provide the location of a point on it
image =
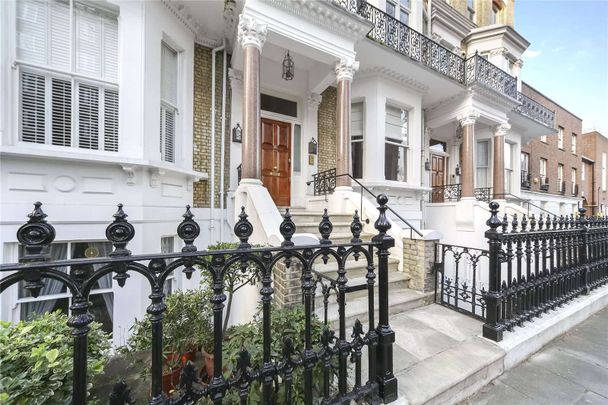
(208, 359)
(171, 378)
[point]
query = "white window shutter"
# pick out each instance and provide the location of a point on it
(32, 107)
(110, 49)
(59, 35)
(168, 75)
(110, 119)
(169, 136)
(88, 43)
(357, 120)
(61, 112)
(32, 21)
(88, 117)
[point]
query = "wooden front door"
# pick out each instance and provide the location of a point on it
(276, 160)
(437, 176)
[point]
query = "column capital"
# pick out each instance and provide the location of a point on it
(251, 32)
(346, 68)
(313, 100)
(501, 129)
(428, 132)
(469, 117)
(519, 63)
(236, 78)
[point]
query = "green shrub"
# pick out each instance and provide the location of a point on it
(36, 359)
(285, 323)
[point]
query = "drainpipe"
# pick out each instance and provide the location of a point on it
(222, 146)
(212, 188)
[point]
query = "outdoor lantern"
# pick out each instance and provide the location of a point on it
(312, 147)
(288, 67)
(457, 170)
(237, 133)
(427, 165)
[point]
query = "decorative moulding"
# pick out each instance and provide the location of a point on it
(155, 177)
(393, 75)
(184, 15)
(130, 173)
(251, 32)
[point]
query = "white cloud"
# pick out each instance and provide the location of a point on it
(531, 54)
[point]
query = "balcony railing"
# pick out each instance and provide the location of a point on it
(453, 192)
(399, 37)
(544, 184)
(525, 179)
(535, 111)
(561, 186)
(480, 70)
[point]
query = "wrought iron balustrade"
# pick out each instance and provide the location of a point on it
(331, 352)
(461, 278)
(483, 194)
(480, 70)
(537, 265)
(453, 192)
(535, 110)
(525, 179)
(544, 183)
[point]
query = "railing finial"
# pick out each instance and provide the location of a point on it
(243, 229)
(382, 224)
(494, 222)
(325, 228)
(287, 228)
(188, 230)
(36, 235)
(120, 232)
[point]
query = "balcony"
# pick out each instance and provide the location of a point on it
(525, 179)
(544, 183)
(535, 111)
(408, 42)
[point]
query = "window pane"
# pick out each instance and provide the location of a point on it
(110, 121)
(32, 26)
(357, 159)
(483, 153)
(395, 162)
(32, 107)
(396, 125)
(61, 112)
(88, 42)
(167, 245)
(93, 249)
(88, 117)
(100, 307)
(390, 9)
(168, 74)
(29, 310)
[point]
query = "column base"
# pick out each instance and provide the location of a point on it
(251, 182)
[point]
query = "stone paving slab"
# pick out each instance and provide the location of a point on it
(570, 370)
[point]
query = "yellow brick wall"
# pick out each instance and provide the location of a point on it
(202, 124)
(327, 130)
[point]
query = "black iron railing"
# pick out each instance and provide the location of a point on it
(544, 183)
(394, 34)
(333, 350)
(513, 198)
(480, 70)
(239, 173)
(453, 192)
(325, 183)
(535, 110)
(537, 265)
(461, 278)
(525, 179)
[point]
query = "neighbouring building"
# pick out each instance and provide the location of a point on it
(223, 105)
(594, 149)
(551, 166)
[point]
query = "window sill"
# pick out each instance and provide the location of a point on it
(75, 155)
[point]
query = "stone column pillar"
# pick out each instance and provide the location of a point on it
(311, 126)
(498, 170)
(345, 70)
(251, 36)
(467, 166)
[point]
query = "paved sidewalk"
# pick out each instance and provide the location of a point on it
(573, 369)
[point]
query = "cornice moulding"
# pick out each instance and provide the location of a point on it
(451, 19)
(382, 71)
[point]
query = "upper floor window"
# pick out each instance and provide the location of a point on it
(543, 170)
(168, 102)
(495, 17)
(404, 11)
(560, 138)
(482, 157)
(396, 145)
(391, 9)
(508, 159)
(560, 177)
(357, 140)
(604, 171)
(67, 57)
(543, 138)
(574, 143)
(471, 9)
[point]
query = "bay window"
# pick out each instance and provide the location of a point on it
(168, 102)
(396, 146)
(356, 139)
(67, 59)
(54, 295)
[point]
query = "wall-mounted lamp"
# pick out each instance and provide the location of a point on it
(312, 147)
(457, 170)
(237, 134)
(427, 165)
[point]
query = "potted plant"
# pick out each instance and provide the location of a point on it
(186, 322)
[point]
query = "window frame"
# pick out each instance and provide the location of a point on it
(166, 106)
(542, 169)
(573, 143)
(560, 138)
(509, 170)
(357, 138)
(560, 177)
(403, 144)
(75, 78)
(485, 168)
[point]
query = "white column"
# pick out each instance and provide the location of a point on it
(373, 139)
(345, 70)
(236, 117)
(310, 130)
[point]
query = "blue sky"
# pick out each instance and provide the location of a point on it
(567, 59)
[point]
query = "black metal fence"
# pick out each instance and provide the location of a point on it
(537, 265)
(331, 352)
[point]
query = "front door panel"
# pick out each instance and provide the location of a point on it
(437, 176)
(276, 160)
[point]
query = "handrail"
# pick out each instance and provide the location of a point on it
(412, 228)
(527, 202)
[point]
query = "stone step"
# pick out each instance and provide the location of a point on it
(354, 269)
(313, 216)
(400, 300)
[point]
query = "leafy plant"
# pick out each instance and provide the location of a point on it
(36, 359)
(186, 322)
(235, 277)
(285, 323)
